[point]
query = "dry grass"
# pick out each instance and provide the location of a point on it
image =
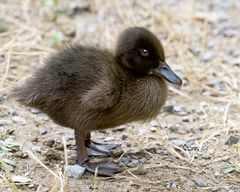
(34, 29)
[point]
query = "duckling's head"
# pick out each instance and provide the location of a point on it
(140, 51)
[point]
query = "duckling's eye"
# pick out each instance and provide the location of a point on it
(144, 52)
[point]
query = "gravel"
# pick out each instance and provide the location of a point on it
(4, 122)
(21, 154)
(200, 182)
(37, 149)
(49, 142)
(75, 171)
(190, 183)
(178, 142)
(19, 120)
(42, 131)
(52, 154)
(232, 140)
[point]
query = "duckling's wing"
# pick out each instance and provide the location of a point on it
(102, 96)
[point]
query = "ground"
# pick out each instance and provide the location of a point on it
(191, 146)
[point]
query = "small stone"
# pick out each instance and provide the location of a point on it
(124, 136)
(10, 168)
(133, 163)
(171, 186)
(208, 56)
(42, 131)
(172, 127)
(134, 151)
(236, 61)
(69, 31)
(232, 140)
(10, 131)
(211, 151)
(180, 110)
(21, 179)
(165, 152)
(168, 186)
(178, 142)
(190, 183)
(45, 189)
(225, 158)
(32, 186)
(75, 171)
(37, 149)
(174, 186)
(229, 32)
(191, 144)
(158, 151)
(2, 58)
(35, 139)
(90, 186)
(215, 189)
(151, 149)
(35, 111)
(52, 155)
(120, 128)
(68, 137)
(153, 123)
(19, 120)
(206, 156)
(153, 129)
(169, 109)
(42, 117)
(49, 142)
(216, 174)
(20, 154)
(143, 160)
(140, 170)
(185, 119)
(4, 122)
(109, 139)
(199, 182)
(125, 160)
(58, 146)
(203, 104)
(79, 8)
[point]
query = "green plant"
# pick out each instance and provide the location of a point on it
(56, 38)
(7, 148)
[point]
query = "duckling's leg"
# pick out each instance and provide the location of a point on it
(81, 149)
(98, 149)
(104, 169)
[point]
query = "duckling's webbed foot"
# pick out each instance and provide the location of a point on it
(103, 168)
(98, 149)
(104, 150)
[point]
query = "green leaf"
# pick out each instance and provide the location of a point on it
(3, 26)
(56, 38)
(8, 161)
(229, 169)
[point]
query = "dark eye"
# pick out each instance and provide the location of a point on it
(144, 52)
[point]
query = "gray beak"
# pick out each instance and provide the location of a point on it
(163, 70)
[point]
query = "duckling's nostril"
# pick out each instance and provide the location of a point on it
(165, 68)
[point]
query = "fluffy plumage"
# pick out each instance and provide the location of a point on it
(86, 88)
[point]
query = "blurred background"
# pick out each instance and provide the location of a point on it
(192, 146)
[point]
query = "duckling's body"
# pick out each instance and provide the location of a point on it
(86, 88)
(105, 95)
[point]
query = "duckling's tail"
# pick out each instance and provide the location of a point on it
(25, 94)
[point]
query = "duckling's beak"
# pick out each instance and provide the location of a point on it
(166, 72)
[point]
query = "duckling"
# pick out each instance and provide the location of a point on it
(87, 88)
